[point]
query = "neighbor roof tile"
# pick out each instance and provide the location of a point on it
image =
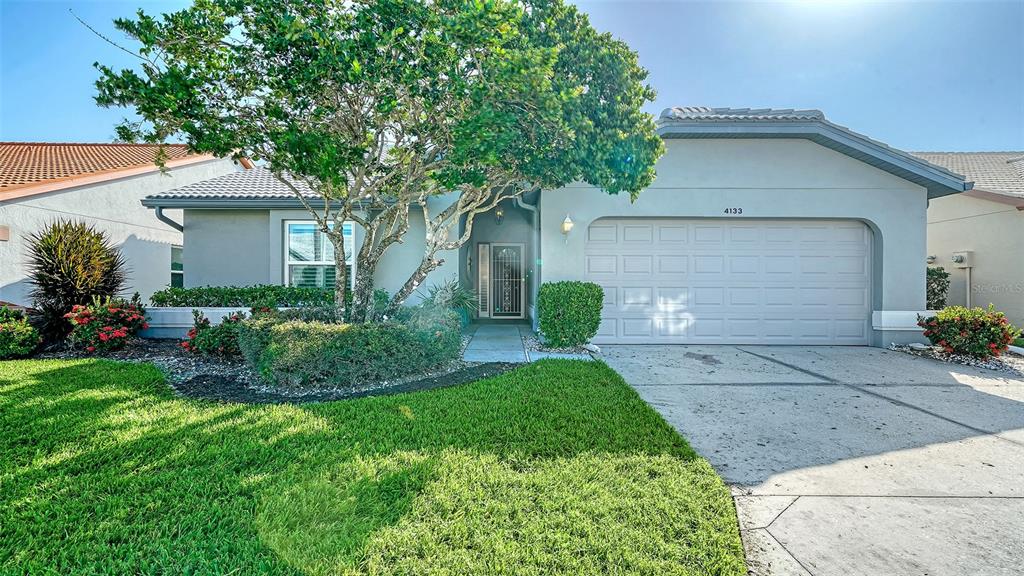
(999, 172)
(25, 164)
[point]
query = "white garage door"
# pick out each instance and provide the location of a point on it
(731, 281)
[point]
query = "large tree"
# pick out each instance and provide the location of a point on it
(364, 109)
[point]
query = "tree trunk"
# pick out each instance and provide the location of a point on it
(362, 295)
(340, 273)
(427, 265)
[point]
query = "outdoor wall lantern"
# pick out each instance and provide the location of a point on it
(499, 215)
(567, 225)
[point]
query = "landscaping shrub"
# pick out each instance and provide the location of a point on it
(570, 312)
(296, 354)
(937, 286)
(106, 324)
(450, 295)
(70, 263)
(219, 340)
(266, 295)
(974, 331)
(17, 337)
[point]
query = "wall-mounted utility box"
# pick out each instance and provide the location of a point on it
(963, 259)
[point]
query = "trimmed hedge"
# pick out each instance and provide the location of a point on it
(243, 296)
(973, 331)
(936, 288)
(570, 312)
(297, 354)
(17, 337)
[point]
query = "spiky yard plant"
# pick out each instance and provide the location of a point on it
(71, 263)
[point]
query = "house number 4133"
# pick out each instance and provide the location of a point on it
(734, 211)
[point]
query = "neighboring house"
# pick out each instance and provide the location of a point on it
(987, 221)
(100, 184)
(763, 227)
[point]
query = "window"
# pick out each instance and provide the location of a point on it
(309, 255)
(177, 268)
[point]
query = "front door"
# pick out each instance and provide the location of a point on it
(507, 281)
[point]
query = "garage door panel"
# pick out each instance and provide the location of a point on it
(602, 234)
(731, 281)
(602, 264)
(638, 234)
(672, 264)
(637, 264)
(672, 234)
(708, 234)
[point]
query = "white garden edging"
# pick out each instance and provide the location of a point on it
(898, 319)
(175, 321)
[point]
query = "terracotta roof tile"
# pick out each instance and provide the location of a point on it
(24, 164)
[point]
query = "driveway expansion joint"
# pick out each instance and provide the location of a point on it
(865, 390)
(885, 483)
(788, 551)
(788, 506)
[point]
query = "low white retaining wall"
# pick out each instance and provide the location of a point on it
(175, 322)
(900, 326)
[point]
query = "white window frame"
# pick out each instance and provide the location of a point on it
(350, 245)
(178, 272)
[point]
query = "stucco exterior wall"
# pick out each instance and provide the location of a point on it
(226, 248)
(766, 178)
(113, 207)
(246, 247)
(995, 232)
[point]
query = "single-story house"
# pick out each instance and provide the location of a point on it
(102, 185)
(762, 227)
(983, 229)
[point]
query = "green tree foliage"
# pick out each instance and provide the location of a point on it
(365, 108)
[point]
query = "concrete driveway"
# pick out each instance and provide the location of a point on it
(850, 461)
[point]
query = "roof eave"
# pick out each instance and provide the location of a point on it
(999, 197)
(232, 203)
(222, 203)
(938, 181)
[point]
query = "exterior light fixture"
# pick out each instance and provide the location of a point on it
(567, 225)
(499, 214)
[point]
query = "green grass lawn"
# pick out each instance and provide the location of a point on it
(1019, 342)
(555, 468)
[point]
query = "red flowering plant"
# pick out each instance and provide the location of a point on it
(218, 340)
(107, 324)
(976, 332)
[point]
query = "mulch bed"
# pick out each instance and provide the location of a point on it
(231, 380)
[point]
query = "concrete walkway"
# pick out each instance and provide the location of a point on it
(504, 343)
(496, 343)
(851, 461)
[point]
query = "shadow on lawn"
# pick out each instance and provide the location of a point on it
(284, 488)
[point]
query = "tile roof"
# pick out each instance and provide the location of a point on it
(29, 164)
(704, 121)
(699, 113)
(255, 184)
(999, 172)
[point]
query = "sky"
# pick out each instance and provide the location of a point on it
(927, 76)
